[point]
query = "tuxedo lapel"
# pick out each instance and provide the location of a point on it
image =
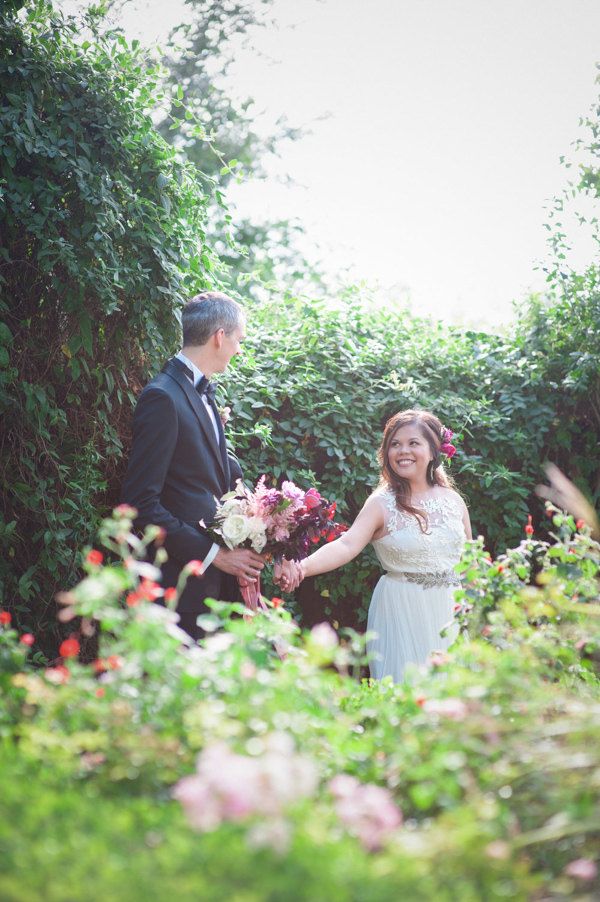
(203, 416)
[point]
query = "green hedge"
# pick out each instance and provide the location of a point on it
(323, 379)
(101, 239)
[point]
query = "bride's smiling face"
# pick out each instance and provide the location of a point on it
(409, 453)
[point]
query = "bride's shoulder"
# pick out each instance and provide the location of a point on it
(448, 495)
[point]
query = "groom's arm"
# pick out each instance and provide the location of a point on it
(155, 431)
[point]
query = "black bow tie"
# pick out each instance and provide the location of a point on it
(205, 387)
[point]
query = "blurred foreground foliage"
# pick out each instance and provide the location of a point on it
(476, 780)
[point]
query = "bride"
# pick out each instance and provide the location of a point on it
(417, 524)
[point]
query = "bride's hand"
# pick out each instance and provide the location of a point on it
(288, 575)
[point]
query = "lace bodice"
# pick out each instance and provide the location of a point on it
(405, 549)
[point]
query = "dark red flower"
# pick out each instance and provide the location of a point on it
(4, 617)
(331, 513)
(27, 639)
(94, 557)
(69, 648)
(312, 499)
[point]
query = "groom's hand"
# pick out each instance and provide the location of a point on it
(288, 575)
(241, 562)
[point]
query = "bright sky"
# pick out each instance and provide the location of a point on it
(445, 121)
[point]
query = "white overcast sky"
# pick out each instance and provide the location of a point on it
(444, 121)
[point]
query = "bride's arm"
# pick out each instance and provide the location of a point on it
(366, 526)
(467, 521)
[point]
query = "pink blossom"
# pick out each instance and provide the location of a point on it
(368, 811)
(583, 868)
(324, 635)
(439, 658)
(292, 492)
(452, 708)
(448, 449)
(232, 787)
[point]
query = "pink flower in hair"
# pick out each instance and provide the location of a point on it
(446, 447)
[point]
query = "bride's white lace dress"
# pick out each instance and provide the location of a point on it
(414, 600)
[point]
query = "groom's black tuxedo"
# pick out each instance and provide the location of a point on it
(176, 470)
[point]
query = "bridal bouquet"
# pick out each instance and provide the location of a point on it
(281, 523)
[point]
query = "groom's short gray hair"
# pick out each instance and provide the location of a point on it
(208, 312)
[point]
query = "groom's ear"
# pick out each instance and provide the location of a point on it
(218, 337)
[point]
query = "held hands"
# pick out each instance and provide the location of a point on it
(288, 575)
(241, 562)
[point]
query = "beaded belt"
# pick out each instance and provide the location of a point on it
(440, 579)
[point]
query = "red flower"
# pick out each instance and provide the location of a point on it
(4, 617)
(500, 568)
(196, 568)
(161, 535)
(277, 602)
(133, 599)
(331, 513)
(170, 594)
(100, 692)
(94, 557)
(420, 700)
(529, 527)
(115, 662)
(580, 524)
(69, 648)
(98, 665)
(448, 449)
(27, 639)
(150, 590)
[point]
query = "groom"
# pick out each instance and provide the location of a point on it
(179, 462)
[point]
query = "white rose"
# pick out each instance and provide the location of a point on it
(259, 540)
(232, 506)
(235, 530)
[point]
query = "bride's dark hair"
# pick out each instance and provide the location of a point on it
(431, 429)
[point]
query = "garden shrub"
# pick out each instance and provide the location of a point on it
(101, 239)
(493, 765)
